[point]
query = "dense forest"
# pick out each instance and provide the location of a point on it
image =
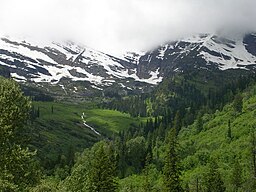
(180, 138)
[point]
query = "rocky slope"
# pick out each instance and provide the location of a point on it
(71, 69)
(206, 51)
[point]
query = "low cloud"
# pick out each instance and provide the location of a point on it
(117, 26)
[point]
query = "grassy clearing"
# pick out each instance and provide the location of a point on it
(60, 126)
(109, 120)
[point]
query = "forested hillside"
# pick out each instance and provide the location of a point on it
(214, 151)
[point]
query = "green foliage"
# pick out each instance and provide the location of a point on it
(229, 132)
(253, 151)
(238, 103)
(78, 177)
(132, 183)
(7, 186)
(56, 132)
(236, 178)
(136, 153)
(171, 170)
(136, 106)
(94, 171)
(152, 181)
(144, 161)
(177, 123)
(213, 181)
(149, 107)
(14, 109)
(46, 185)
(199, 123)
(102, 170)
(211, 142)
(18, 168)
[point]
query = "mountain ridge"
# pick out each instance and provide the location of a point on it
(74, 69)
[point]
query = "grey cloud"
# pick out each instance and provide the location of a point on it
(119, 25)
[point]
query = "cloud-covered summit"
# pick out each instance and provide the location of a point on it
(116, 26)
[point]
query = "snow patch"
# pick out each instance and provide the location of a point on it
(18, 77)
(33, 54)
(162, 51)
(238, 55)
(154, 79)
(63, 87)
(95, 87)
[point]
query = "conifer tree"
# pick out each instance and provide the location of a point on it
(136, 153)
(199, 123)
(71, 156)
(229, 134)
(17, 166)
(171, 170)
(253, 153)
(213, 181)
(197, 185)
(121, 156)
(38, 112)
(102, 170)
(147, 184)
(237, 175)
(238, 103)
(177, 123)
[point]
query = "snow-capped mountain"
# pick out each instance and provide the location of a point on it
(58, 64)
(206, 51)
(75, 69)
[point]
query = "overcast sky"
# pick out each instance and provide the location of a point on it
(120, 25)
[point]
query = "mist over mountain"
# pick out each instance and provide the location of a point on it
(118, 26)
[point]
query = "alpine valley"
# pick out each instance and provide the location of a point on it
(179, 117)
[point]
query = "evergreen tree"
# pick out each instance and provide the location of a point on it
(197, 185)
(229, 133)
(77, 181)
(94, 171)
(171, 170)
(147, 184)
(213, 181)
(186, 188)
(102, 170)
(38, 112)
(16, 162)
(71, 156)
(253, 153)
(238, 103)
(177, 123)
(136, 153)
(121, 156)
(237, 175)
(149, 107)
(199, 123)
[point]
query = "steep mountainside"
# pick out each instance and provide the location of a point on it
(205, 51)
(226, 135)
(70, 69)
